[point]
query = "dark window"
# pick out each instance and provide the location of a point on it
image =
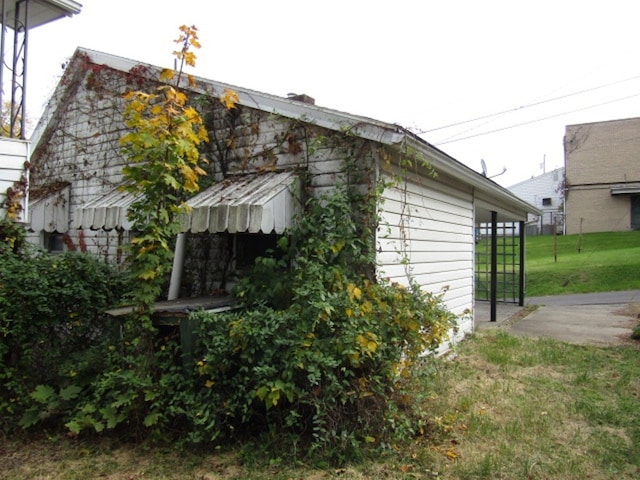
(250, 246)
(546, 202)
(53, 242)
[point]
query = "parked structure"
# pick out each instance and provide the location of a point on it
(546, 192)
(262, 157)
(602, 165)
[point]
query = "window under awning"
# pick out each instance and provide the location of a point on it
(250, 203)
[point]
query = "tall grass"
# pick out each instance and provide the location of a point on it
(593, 262)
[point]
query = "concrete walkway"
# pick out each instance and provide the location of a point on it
(593, 318)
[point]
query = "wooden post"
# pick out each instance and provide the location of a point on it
(580, 236)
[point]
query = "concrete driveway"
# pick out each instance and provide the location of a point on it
(593, 318)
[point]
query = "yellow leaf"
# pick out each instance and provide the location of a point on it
(451, 453)
(209, 383)
(166, 75)
(229, 98)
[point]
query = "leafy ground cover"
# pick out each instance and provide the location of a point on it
(503, 407)
(593, 262)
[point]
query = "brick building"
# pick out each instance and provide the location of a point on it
(602, 176)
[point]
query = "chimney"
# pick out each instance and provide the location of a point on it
(301, 97)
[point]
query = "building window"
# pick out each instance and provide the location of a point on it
(53, 242)
(546, 202)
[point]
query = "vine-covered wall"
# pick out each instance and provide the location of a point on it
(81, 147)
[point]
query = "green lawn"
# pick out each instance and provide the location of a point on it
(605, 262)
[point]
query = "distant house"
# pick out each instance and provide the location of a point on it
(545, 192)
(602, 165)
(280, 149)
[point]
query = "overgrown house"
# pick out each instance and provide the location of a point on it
(263, 157)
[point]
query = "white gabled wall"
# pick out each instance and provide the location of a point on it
(426, 234)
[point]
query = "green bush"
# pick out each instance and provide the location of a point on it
(323, 357)
(51, 321)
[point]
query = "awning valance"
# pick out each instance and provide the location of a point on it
(245, 203)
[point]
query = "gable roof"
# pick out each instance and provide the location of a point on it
(488, 194)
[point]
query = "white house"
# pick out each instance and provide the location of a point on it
(546, 193)
(259, 156)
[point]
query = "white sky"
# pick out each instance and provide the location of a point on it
(423, 64)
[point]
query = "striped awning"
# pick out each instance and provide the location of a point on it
(250, 203)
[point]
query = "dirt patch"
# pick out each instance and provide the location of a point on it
(631, 310)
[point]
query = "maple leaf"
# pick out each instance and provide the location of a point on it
(166, 75)
(229, 98)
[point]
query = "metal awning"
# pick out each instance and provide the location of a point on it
(106, 212)
(249, 203)
(625, 190)
(51, 212)
(246, 203)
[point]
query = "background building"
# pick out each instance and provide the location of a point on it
(602, 165)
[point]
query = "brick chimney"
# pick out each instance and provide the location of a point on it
(301, 97)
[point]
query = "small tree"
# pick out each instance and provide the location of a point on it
(162, 149)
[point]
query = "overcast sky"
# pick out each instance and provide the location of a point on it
(419, 63)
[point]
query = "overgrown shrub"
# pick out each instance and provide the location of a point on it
(51, 319)
(322, 357)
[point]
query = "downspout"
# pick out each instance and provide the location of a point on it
(178, 267)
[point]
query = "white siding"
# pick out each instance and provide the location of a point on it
(13, 155)
(426, 233)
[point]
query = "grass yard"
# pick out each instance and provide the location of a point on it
(606, 262)
(503, 408)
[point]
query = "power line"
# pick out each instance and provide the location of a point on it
(529, 105)
(535, 121)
